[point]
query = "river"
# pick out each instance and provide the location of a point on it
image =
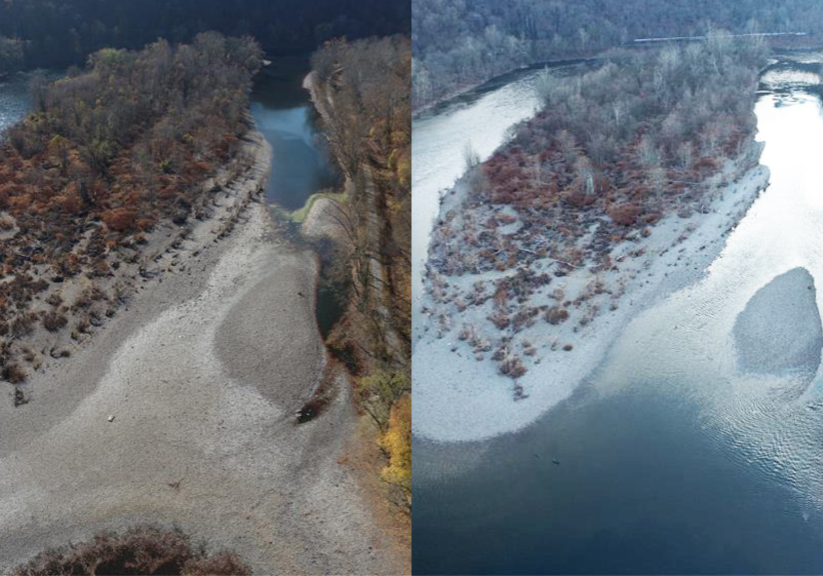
(285, 115)
(671, 457)
(14, 99)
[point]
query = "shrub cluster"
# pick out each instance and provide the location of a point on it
(140, 550)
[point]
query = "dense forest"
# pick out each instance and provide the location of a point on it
(610, 154)
(458, 43)
(50, 33)
(369, 130)
(105, 156)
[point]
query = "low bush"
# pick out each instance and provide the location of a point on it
(140, 550)
(556, 315)
(13, 373)
(54, 321)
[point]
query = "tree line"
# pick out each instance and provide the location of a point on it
(369, 130)
(52, 33)
(458, 43)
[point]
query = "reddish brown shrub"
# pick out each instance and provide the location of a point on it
(120, 219)
(512, 367)
(14, 373)
(500, 320)
(140, 550)
(555, 315)
(625, 214)
(54, 321)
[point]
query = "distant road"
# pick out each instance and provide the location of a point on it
(702, 38)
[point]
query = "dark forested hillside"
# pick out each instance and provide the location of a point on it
(458, 43)
(59, 33)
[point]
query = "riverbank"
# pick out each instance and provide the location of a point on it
(787, 44)
(574, 315)
(329, 217)
(181, 411)
(321, 215)
(455, 94)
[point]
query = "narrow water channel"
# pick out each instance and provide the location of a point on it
(301, 165)
(678, 455)
(285, 115)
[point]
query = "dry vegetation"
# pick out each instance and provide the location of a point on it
(108, 156)
(141, 550)
(611, 153)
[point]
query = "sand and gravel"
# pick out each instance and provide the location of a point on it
(781, 318)
(324, 220)
(202, 374)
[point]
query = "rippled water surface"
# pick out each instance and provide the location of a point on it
(673, 458)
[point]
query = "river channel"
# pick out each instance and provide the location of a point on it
(690, 449)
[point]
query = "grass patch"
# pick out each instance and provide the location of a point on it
(299, 216)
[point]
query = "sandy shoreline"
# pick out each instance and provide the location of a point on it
(460, 395)
(203, 372)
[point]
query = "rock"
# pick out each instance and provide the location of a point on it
(780, 331)
(111, 418)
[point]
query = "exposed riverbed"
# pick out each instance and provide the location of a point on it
(683, 452)
(181, 410)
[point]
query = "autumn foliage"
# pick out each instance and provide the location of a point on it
(611, 151)
(397, 443)
(109, 154)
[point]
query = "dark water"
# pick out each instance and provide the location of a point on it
(671, 459)
(285, 116)
(14, 99)
(642, 487)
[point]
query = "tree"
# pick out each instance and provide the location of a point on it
(470, 156)
(377, 394)
(11, 55)
(397, 443)
(38, 88)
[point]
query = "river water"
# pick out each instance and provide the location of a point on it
(14, 99)
(671, 458)
(301, 165)
(285, 115)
